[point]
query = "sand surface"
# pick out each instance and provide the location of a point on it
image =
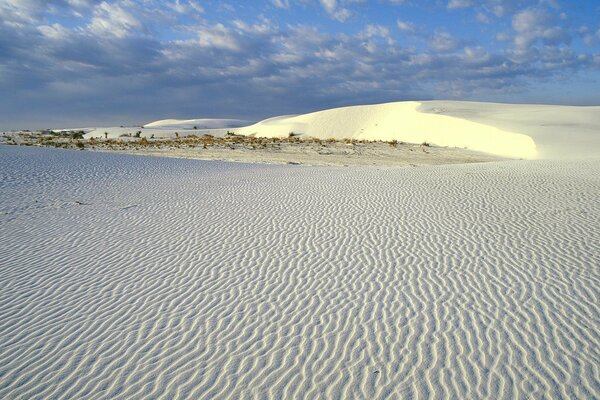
(145, 277)
(309, 153)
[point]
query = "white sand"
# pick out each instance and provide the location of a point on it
(310, 153)
(140, 277)
(401, 121)
(506, 130)
(143, 277)
(200, 123)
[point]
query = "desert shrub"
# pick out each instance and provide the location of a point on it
(394, 143)
(79, 145)
(425, 144)
(77, 135)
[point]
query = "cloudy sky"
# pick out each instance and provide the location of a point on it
(72, 63)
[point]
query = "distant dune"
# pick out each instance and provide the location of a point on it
(508, 130)
(200, 123)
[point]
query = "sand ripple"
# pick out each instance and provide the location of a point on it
(139, 277)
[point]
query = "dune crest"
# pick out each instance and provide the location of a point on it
(399, 121)
(200, 123)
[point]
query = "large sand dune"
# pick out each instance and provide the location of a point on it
(507, 130)
(399, 121)
(139, 277)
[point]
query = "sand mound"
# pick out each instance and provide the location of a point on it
(558, 131)
(201, 123)
(507, 130)
(398, 121)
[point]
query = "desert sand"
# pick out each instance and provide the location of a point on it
(146, 277)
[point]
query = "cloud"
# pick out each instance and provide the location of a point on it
(336, 12)
(284, 4)
(373, 30)
(444, 42)
(112, 19)
(186, 7)
(142, 59)
(405, 26)
(536, 24)
(454, 4)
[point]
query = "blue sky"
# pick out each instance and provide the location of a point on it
(68, 63)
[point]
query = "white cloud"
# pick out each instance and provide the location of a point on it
(454, 4)
(476, 55)
(331, 7)
(374, 31)
(113, 20)
(533, 24)
(444, 41)
(263, 27)
(284, 4)
(19, 12)
(187, 7)
(54, 31)
(405, 26)
(218, 37)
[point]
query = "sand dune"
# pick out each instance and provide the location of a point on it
(506, 130)
(201, 123)
(141, 277)
(399, 121)
(558, 131)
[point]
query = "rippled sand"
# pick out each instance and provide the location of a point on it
(143, 277)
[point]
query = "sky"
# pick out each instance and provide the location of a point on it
(78, 63)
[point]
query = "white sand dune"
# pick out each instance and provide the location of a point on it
(201, 123)
(558, 131)
(507, 130)
(399, 121)
(139, 277)
(166, 128)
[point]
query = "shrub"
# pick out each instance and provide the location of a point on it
(78, 135)
(425, 144)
